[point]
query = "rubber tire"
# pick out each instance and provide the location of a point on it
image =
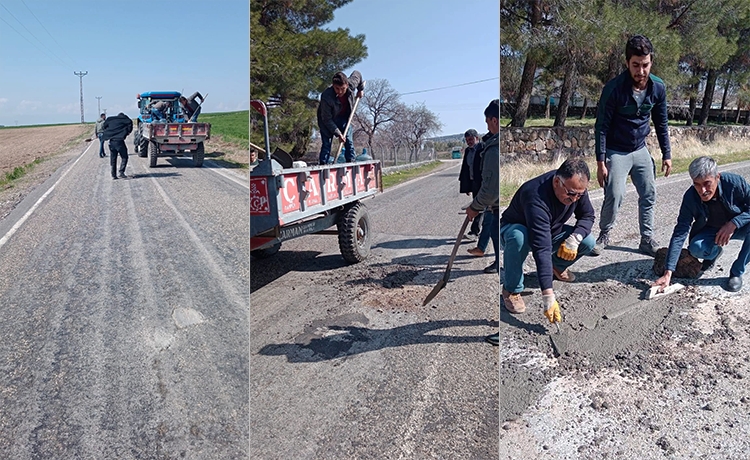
(266, 252)
(354, 234)
(198, 155)
(141, 143)
(153, 154)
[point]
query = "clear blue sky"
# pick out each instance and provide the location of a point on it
(425, 44)
(127, 47)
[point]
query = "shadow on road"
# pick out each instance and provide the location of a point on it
(164, 174)
(415, 243)
(335, 341)
(264, 271)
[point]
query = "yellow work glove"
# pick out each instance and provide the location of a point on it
(569, 249)
(551, 308)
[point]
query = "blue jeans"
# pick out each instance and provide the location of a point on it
(194, 117)
(515, 241)
(158, 115)
(485, 233)
(101, 144)
(703, 246)
(327, 141)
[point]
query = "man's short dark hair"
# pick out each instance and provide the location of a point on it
(574, 167)
(493, 110)
(340, 79)
(471, 133)
(638, 45)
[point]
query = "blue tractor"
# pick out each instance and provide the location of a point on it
(164, 130)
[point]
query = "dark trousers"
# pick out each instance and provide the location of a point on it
(117, 146)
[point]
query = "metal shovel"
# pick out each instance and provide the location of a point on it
(441, 284)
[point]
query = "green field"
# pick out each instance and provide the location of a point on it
(232, 126)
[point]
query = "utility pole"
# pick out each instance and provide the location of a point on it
(98, 105)
(80, 76)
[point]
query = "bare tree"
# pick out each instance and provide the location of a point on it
(378, 108)
(419, 122)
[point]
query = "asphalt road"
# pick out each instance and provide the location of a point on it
(345, 362)
(124, 313)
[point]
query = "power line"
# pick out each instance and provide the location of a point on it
(451, 86)
(45, 29)
(19, 33)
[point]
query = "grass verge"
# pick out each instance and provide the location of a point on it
(399, 177)
(513, 175)
(17, 173)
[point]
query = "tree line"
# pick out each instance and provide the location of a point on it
(567, 47)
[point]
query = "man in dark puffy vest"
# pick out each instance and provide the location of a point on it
(116, 130)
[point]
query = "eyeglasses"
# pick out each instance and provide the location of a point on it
(570, 193)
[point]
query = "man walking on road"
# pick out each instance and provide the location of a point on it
(470, 178)
(98, 132)
(116, 130)
(535, 221)
(488, 198)
(336, 104)
(622, 124)
(713, 211)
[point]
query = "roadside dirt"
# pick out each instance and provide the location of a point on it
(53, 146)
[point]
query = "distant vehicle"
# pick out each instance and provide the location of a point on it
(456, 153)
(171, 136)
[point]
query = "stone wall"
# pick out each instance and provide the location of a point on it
(547, 144)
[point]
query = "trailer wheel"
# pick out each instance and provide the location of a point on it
(198, 155)
(266, 252)
(153, 153)
(354, 234)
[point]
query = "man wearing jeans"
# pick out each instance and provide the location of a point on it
(713, 211)
(99, 132)
(336, 104)
(622, 124)
(535, 221)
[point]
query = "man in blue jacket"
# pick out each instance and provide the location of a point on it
(713, 211)
(622, 123)
(536, 221)
(336, 104)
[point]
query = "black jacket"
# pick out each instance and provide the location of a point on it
(330, 106)
(466, 185)
(117, 127)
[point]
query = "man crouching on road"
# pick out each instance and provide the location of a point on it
(713, 211)
(536, 220)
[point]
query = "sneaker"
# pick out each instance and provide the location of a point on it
(566, 276)
(471, 236)
(734, 284)
(513, 302)
(491, 269)
(601, 243)
(114, 177)
(708, 264)
(475, 252)
(494, 339)
(122, 176)
(648, 246)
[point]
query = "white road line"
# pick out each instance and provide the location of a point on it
(227, 287)
(20, 222)
(411, 181)
(245, 182)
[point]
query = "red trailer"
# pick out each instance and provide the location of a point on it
(287, 203)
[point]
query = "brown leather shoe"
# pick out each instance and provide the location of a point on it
(513, 302)
(566, 277)
(475, 252)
